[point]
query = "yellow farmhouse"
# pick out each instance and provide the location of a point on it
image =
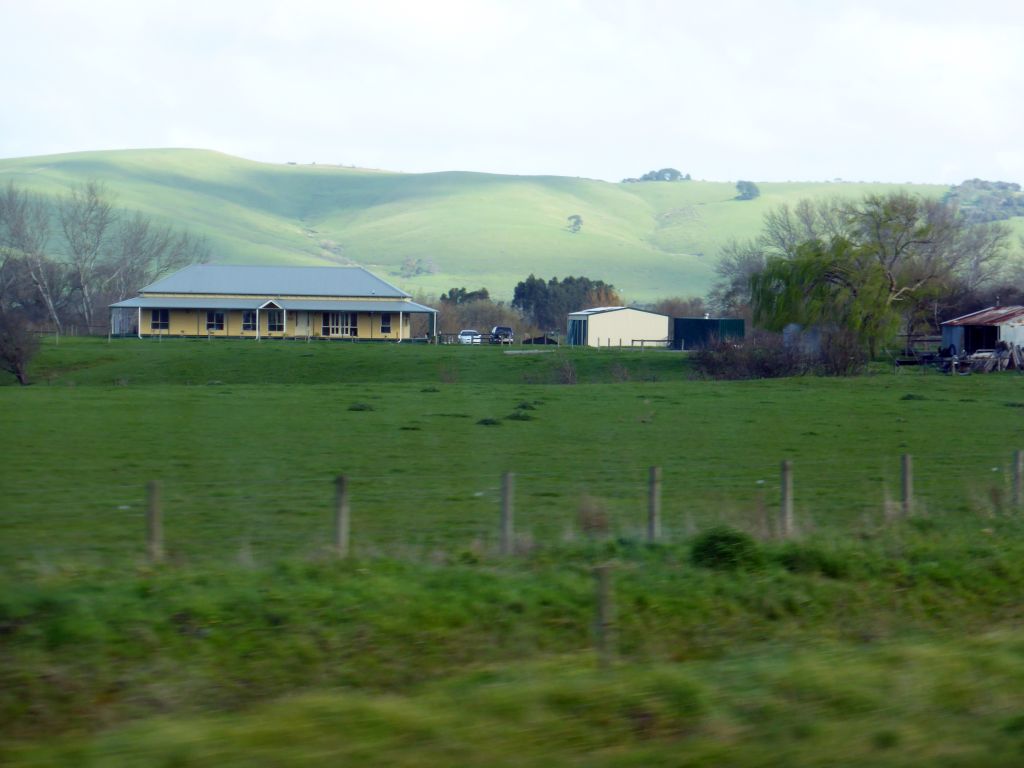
(270, 302)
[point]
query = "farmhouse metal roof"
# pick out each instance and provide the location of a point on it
(276, 281)
(314, 305)
(991, 316)
(322, 305)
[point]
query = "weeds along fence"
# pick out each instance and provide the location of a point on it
(479, 515)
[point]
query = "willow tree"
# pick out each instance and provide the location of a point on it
(833, 285)
(868, 265)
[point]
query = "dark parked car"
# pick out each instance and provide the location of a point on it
(501, 334)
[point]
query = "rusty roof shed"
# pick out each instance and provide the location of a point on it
(984, 329)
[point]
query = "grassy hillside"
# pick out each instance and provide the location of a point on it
(866, 640)
(650, 240)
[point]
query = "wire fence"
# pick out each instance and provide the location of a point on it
(483, 513)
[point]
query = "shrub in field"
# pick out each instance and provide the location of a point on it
(565, 373)
(841, 354)
(763, 356)
(767, 356)
(799, 557)
(725, 549)
(592, 517)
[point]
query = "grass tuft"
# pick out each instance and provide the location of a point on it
(725, 549)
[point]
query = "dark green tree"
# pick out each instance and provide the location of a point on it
(462, 296)
(747, 190)
(547, 304)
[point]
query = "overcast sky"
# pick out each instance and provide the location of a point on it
(879, 90)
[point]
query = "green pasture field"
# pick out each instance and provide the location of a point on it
(867, 640)
(246, 440)
(651, 240)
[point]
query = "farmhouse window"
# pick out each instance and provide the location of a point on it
(275, 320)
(340, 324)
(385, 322)
(160, 320)
(249, 320)
(215, 321)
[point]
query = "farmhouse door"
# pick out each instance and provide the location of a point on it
(301, 323)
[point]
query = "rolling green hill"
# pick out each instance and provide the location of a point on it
(650, 240)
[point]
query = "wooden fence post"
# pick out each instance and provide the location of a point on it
(1018, 476)
(341, 516)
(788, 521)
(654, 505)
(907, 484)
(604, 618)
(508, 481)
(154, 523)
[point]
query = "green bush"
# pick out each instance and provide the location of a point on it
(811, 559)
(725, 549)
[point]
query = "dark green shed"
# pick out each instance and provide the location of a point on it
(698, 332)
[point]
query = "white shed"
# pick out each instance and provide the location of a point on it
(618, 327)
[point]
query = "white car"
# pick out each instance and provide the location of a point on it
(469, 336)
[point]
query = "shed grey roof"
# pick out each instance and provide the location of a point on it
(276, 281)
(312, 305)
(602, 310)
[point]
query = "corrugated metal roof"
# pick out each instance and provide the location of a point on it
(596, 310)
(292, 305)
(357, 305)
(156, 302)
(600, 310)
(990, 316)
(276, 281)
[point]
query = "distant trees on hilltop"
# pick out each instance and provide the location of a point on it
(665, 174)
(980, 201)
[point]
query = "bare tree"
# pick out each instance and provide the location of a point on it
(738, 263)
(86, 217)
(142, 252)
(786, 228)
(24, 241)
(677, 306)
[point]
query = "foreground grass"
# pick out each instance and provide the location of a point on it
(896, 705)
(903, 646)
